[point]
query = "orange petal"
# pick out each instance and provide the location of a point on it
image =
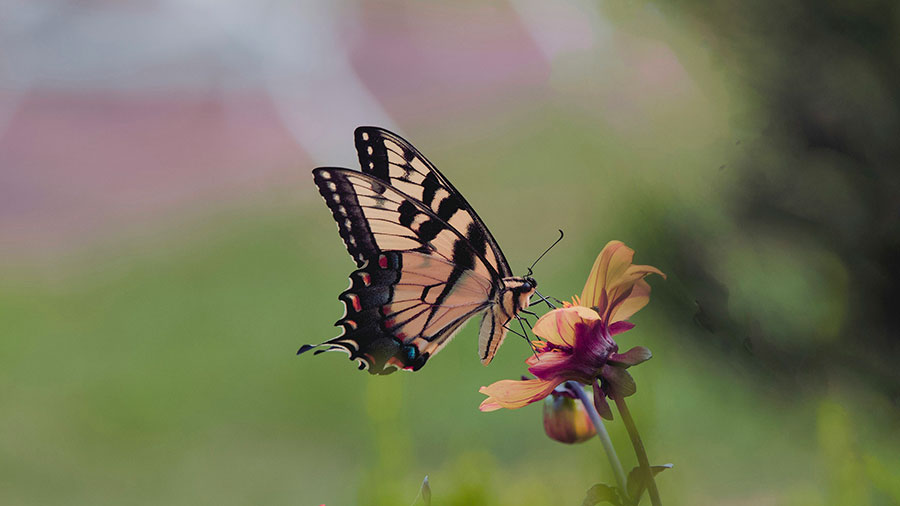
(615, 286)
(616, 253)
(512, 394)
(639, 297)
(558, 326)
(547, 358)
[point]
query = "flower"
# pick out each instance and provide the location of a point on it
(578, 339)
(565, 419)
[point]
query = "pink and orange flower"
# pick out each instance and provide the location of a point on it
(578, 340)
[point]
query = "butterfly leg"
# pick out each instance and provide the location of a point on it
(523, 319)
(545, 301)
(531, 344)
(524, 334)
(523, 326)
(516, 332)
(529, 313)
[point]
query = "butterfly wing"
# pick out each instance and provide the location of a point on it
(390, 158)
(418, 281)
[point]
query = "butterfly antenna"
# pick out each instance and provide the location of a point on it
(545, 252)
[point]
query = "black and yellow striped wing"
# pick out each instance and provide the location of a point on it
(390, 158)
(426, 263)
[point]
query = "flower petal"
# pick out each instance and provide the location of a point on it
(558, 326)
(628, 300)
(512, 394)
(618, 380)
(615, 257)
(631, 357)
(619, 327)
(549, 364)
(615, 287)
(600, 402)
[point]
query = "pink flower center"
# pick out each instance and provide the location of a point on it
(581, 362)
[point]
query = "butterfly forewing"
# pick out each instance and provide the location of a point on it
(373, 217)
(395, 161)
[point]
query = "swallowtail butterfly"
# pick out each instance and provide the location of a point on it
(426, 263)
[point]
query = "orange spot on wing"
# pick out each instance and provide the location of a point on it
(354, 300)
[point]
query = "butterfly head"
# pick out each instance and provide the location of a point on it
(517, 293)
(525, 290)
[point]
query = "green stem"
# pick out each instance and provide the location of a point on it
(638, 449)
(602, 434)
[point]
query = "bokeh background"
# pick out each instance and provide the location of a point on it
(163, 252)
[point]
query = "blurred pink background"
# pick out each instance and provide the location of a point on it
(117, 113)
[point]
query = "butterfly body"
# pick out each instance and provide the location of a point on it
(426, 263)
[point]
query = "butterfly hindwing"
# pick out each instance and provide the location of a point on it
(393, 320)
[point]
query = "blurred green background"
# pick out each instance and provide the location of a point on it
(164, 252)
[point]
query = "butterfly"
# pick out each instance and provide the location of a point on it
(426, 263)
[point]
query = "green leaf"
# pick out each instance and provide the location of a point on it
(600, 493)
(637, 481)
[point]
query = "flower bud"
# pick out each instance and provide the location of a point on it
(565, 419)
